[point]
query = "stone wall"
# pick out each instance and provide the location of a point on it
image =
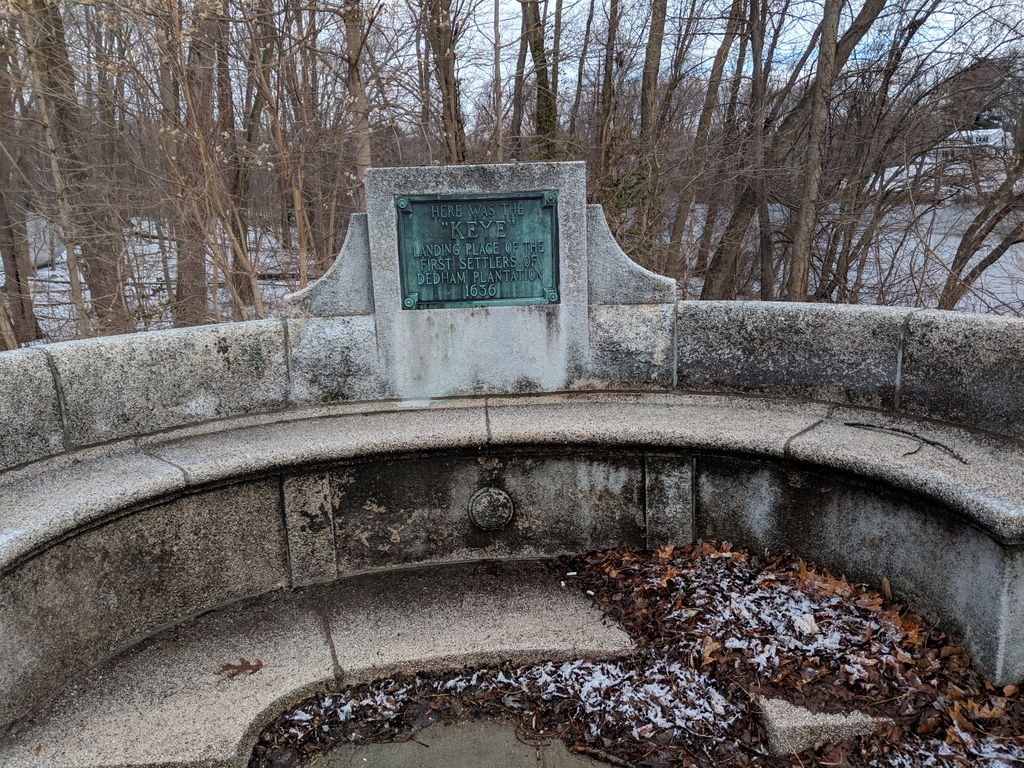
(959, 369)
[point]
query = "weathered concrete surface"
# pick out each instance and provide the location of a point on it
(979, 476)
(657, 420)
(30, 424)
(95, 593)
(669, 497)
(166, 702)
(965, 513)
(425, 426)
(507, 349)
(309, 516)
(121, 386)
(630, 347)
(792, 729)
(869, 533)
(613, 277)
(347, 286)
(833, 353)
(966, 369)
(467, 615)
(414, 510)
(464, 745)
(45, 504)
(334, 360)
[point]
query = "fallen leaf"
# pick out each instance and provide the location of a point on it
(243, 667)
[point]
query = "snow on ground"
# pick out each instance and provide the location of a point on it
(906, 263)
(715, 627)
(150, 261)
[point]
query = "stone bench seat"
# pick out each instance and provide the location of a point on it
(978, 475)
(104, 547)
(168, 702)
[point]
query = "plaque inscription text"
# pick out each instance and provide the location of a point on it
(478, 250)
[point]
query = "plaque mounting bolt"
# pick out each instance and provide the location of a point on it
(410, 301)
(402, 202)
(549, 198)
(552, 297)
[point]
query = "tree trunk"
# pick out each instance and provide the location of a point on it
(95, 225)
(652, 65)
(604, 118)
(518, 87)
(443, 38)
(359, 106)
(17, 295)
(574, 115)
(546, 116)
(803, 233)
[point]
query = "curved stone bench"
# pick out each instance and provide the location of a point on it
(156, 488)
(117, 546)
(151, 478)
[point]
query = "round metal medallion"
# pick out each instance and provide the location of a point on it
(490, 509)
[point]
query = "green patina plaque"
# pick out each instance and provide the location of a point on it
(478, 250)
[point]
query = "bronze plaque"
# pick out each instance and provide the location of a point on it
(478, 250)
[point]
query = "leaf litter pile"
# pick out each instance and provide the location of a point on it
(715, 628)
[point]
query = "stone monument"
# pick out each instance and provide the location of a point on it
(487, 278)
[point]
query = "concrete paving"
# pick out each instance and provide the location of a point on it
(466, 745)
(792, 729)
(169, 703)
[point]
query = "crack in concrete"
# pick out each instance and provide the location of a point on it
(922, 441)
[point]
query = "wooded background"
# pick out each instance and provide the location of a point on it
(174, 162)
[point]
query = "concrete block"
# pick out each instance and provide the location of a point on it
(309, 516)
(500, 349)
(822, 352)
(334, 360)
(965, 369)
(791, 729)
(97, 592)
(443, 618)
(614, 277)
(660, 420)
(43, 506)
(120, 386)
(866, 532)
(978, 476)
(415, 510)
(669, 499)
(346, 288)
(262, 448)
(167, 703)
(30, 423)
(631, 347)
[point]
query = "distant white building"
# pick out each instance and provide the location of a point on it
(984, 142)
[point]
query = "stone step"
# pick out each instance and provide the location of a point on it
(170, 701)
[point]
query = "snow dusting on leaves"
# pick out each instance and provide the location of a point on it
(714, 627)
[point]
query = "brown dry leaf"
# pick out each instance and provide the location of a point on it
(665, 551)
(708, 648)
(244, 667)
(958, 717)
(667, 576)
